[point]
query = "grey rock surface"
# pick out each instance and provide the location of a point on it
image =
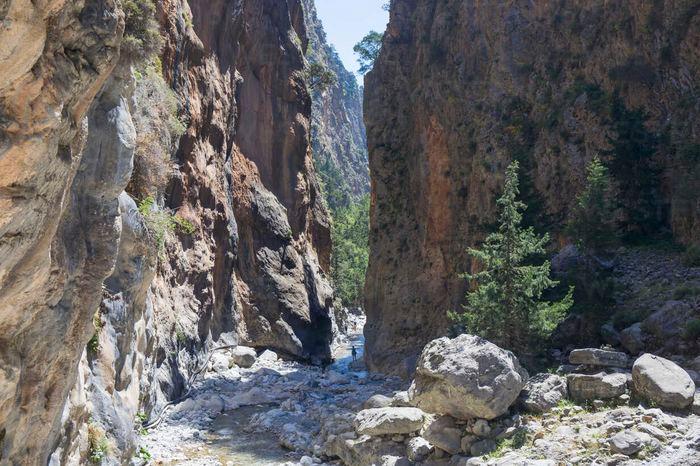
(600, 386)
(466, 377)
(663, 382)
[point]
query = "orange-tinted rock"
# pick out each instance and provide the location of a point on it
(461, 88)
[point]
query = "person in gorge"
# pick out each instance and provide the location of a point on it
(354, 354)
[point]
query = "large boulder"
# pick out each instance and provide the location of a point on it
(663, 382)
(598, 357)
(466, 377)
(243, 356)
(388, 421)
(601, 386)
(543, 392)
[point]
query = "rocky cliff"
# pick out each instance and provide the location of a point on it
(339, 139)
(461, 88)
(111, 299)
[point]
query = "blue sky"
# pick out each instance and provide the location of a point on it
(347, 21)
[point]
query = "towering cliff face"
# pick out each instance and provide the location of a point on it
(62, 168)
(79, 260)
(338, 133)
(461, 88)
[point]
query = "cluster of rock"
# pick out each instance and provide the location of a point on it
(465, 400)
(454, 408)
(603, 375)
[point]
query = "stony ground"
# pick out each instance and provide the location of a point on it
(284, 413)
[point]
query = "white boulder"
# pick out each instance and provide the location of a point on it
(663, 382)
(466, 377)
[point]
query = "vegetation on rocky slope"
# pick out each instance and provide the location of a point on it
(507, 305)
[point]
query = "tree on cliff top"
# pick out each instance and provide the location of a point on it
(368, 50)
(507, 306)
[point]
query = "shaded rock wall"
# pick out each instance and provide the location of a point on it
(75, 250)
(461, 88)
(338, 136)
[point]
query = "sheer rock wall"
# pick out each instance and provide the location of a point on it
(461, 88)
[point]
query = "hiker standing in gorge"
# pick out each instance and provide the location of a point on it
(354, 354)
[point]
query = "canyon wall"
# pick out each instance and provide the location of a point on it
(461, 88)
(339, 139)
(112, 288)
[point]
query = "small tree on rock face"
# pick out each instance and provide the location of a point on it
(593, 223)
(368, 50)
(319, 78)
(507, 306)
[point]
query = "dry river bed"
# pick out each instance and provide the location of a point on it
(283, 413)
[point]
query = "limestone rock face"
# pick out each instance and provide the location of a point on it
(257, 266)
(663, 382)
(74, 248)
(466, 377)
(461, 88)
(60, 220)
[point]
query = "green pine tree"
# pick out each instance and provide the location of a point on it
(506, 306)
(593, 223)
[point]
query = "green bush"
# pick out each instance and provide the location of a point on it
(159, 222)
(691, 257)
(507, 305)
(368, 50)
(686, 291)
(98, 447)
(692, 330)
(158, 127)
(94, 343)
(142, 36)
(625, 317)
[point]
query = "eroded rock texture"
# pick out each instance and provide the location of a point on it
(247, 179)
(59, 222)
(461, 88)
(79, 261)
(338, 133)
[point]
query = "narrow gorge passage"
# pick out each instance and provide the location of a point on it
(350, 233)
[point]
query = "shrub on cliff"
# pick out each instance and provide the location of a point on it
(161, 221)
(142, 37)
(319, 78)
(691, 256)
(507, 305)
(158, 128)
(593, 223)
